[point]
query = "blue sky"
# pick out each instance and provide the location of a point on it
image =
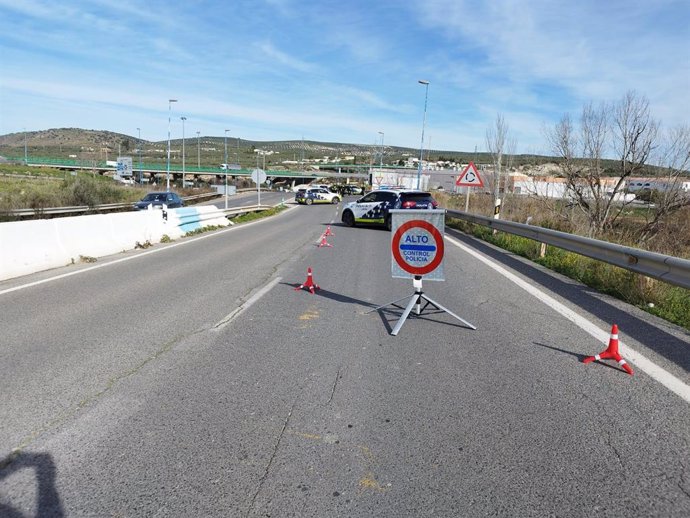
(341, 70)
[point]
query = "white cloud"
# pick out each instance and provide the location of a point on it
(285, 59)
(590, 50)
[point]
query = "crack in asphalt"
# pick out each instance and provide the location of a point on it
(61, 418)
(335, 383)
(263, 477)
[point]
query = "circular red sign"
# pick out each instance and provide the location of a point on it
(395, 246)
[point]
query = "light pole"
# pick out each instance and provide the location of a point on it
(141, 171)
(381, 150)
(183, 119)
(421, 146)
(198, 150)
(167, 169)
(226, 169)
(26, 154)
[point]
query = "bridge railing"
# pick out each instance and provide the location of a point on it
(672, 270)
(174, 168)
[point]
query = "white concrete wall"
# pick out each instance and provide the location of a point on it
(32, 246)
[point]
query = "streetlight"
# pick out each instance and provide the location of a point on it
(183, 119)
(26, 155)
(167, 170)
(381, 151)
(198, 150)
(141, 171)
(421, 146)
(226, 169)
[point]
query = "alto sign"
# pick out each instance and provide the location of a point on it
(417, 246)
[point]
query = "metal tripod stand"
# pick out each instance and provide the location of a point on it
(416, 301)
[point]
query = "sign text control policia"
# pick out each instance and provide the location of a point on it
(417, 244)
(417, 252)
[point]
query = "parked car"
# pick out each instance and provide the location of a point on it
(374, 207)
(124, 180)
(303, 186)
(316, 195)
(346, 190)
(158, 199)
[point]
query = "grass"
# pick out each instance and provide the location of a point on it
(37, 188)
(41, 188)
(251, 216)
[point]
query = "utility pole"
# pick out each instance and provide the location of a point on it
(198, 150)
(183, 119)
(141, 171)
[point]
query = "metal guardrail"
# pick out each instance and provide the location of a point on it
(80, 209)
(672, 270)
(235, 211)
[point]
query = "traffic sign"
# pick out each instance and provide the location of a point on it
(470, 177)
(259, 176)
(124, 166)
(417, 244)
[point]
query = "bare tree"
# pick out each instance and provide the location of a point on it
(673, 160)
(581, 152)
(635, 133)
(496, 139)
(625, 128)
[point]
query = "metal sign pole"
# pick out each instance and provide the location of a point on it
(416, 300)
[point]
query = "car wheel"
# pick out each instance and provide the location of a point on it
(309, 201)
(348, 218)
(389, 223)
(335, 200)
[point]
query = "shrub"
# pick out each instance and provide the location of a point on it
(82, 191)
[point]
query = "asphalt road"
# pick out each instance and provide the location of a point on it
(192, 379)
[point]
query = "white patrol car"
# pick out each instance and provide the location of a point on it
(374, 207)
(316, 195)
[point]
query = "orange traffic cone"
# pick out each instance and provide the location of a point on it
(324, 242)
(611, 352)
(309, 283)
(328, 231)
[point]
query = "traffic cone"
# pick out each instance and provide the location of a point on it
(324, 242)
(611, 352)
(328, 231)
(309, 283)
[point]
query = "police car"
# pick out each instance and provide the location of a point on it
(316, 195)
(373, 208)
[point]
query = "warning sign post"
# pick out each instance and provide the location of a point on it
(469, 178)
(417, 250)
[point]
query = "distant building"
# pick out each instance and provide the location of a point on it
(657, 184)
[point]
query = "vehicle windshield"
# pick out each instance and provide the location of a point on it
(154, 196)
(416, 196)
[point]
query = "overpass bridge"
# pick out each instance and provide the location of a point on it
(338, 171)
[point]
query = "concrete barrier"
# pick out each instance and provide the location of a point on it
(32, 246)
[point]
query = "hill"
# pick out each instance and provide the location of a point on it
(101, 144)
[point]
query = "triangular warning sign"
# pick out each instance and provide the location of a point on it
(470, 177)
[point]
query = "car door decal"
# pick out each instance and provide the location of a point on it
(375, 215)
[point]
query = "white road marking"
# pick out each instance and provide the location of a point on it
(249, 303)
(644, 364)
